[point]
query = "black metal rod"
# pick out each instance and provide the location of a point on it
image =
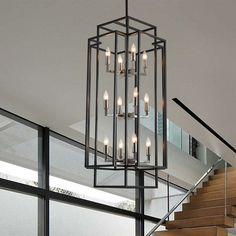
(115, 103)
(112, 21)
(88, 103)
(43, 180)
(139, 202)
(164, 106)
(155, 102)
(142, 22)
(168, 195)
(96, 107)
(204, 124)
(126, 89)
(137, 84)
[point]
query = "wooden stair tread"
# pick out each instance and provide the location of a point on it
(202, 231)
(208, 211)
(215, 188)
(210, 203)
(222, 170)
(230, 181)
(218, 220)
(213, 195)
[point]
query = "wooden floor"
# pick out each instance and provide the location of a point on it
(205, 214)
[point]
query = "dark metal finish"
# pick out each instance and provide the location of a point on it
(125, 28)
(164, 105)
(204, 124)
(43, 180)
(139, 202)
(168, 195)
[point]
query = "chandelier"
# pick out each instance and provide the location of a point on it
(126, 101)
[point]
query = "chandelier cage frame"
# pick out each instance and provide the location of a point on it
(125, 30)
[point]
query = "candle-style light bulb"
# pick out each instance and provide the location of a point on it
(120, 63)
(106, 98)
(106, 143)
(134, 142)
(146, 103)
(145, 57)
(119, 103)
(135, 94)
(133, 52)
(148, 148)
(108, 58)
(121, 149)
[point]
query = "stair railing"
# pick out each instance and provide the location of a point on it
(183, 198)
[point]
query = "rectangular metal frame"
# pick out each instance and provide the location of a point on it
(95, 42)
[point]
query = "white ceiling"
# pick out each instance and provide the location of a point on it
(43, 59)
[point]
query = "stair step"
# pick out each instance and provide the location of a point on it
(230, 181)
(203, 231)
(203, 212)
(222, 170)
(210, 203)
(222, 175)
(218, 220)
(215, 188)
(213, 195)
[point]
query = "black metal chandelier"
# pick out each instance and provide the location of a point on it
(126, 101)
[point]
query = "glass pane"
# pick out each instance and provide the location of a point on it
(18, 214)
(69, 176)
(174, 134)
(86, 222)
(18, 152)
(156, 200)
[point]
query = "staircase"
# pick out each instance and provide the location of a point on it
(205, 214)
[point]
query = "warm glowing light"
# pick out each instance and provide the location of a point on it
(134, 138)
(119, 101)
(120, 60)
(106, 141)
(133, 48)
(148, 142)
(108, 52)
(146, 98)
(121, 144)
(105, 95)
(135, 92)
(145, 56)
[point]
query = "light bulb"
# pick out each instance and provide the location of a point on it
(119, 101)
(120, 60)
(146, 98)
(135, 92)
(106, 141)
(105, 95)
(145, 56)
(148, 142)
(133, 52)
(121, 144)
(134, 138)
(133, 48)
(108, 52)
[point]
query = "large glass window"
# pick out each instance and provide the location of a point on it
(18, 214)
(18, 152)
(69, 176)
(73, 221)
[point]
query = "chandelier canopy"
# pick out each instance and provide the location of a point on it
(126, 100)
